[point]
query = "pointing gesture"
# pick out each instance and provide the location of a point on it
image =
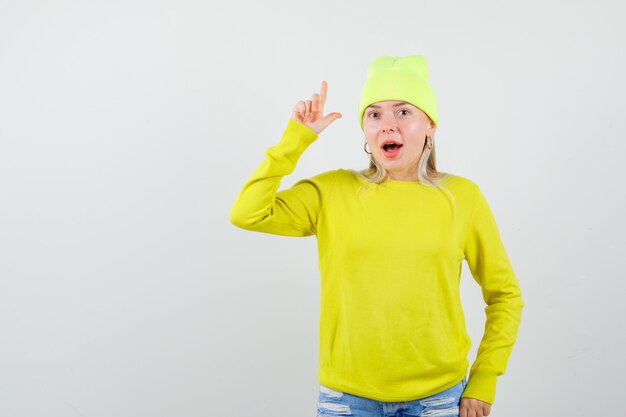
(311, 112)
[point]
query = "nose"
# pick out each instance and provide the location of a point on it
(388, 124)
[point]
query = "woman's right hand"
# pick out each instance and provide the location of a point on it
(311, 112)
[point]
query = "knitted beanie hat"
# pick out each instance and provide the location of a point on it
(402, 79)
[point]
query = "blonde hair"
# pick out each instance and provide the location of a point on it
(427, 173)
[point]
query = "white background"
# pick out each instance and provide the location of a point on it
(127, 129)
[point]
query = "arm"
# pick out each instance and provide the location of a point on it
(491, 269)
(291, 212)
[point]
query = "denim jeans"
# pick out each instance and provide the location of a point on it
(333, 403)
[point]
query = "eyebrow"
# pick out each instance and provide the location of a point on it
(395, 105)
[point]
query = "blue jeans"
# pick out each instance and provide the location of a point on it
(333, 403)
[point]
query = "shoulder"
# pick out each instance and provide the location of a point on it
(459, 183)
(327, 176)
(324, 180)
(348, 176)
(464, 189)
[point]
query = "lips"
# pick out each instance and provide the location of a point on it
(391, 148)
(390, 142)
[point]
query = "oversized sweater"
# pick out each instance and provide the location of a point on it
(391, 325)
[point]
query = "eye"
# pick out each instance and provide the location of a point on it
(404, 110)
(372, 112)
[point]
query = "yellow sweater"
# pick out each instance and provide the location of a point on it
(391, 322)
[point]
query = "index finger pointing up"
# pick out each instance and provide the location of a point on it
(323, 93)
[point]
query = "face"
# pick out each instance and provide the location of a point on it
(401, 123)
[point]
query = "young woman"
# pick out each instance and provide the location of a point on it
(391, 241)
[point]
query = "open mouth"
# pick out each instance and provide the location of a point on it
(391, 148)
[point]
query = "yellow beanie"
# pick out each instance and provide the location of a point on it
(402, 79)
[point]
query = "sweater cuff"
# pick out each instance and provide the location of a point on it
(302, 131)
(294, 141)
(481, 385)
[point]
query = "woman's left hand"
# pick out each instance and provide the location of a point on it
(471, 407)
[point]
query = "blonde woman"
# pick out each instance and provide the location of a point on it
(391, 242)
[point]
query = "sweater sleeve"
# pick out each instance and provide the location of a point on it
(491, 269)
(292, 212)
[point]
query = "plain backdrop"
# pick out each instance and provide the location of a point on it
(127, 129)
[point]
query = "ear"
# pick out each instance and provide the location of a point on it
(431, 128)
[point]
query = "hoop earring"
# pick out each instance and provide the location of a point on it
(429, 142)
(365, 149)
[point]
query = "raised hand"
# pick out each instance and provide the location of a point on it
(311, 112)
